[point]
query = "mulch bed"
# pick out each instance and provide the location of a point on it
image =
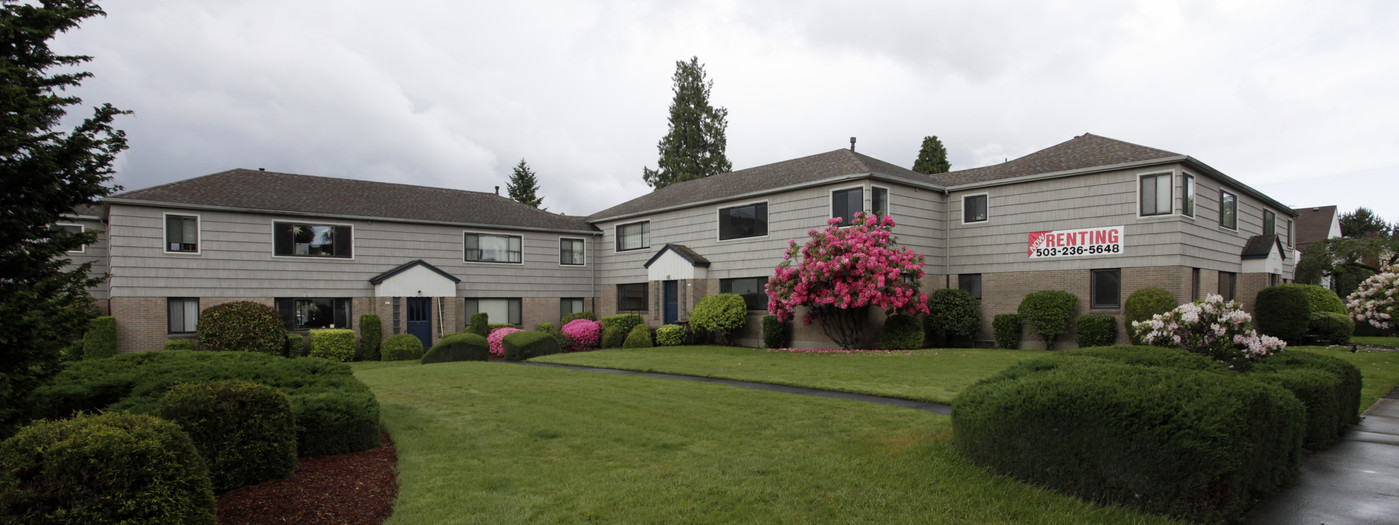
(350, 489)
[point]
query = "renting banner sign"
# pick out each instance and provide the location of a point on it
(1106, 240)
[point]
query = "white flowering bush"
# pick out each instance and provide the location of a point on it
(1373, 302)
(1212, 327)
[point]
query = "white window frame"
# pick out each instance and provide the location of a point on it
(1170, 199)
(198, 233)
(561, 239)
(82, 248)
(493, 234)
(719, 218)
(1222, 226)
(617, 237)
(272, 225)
(831, 207)
(888, 200)
(1192, 192)
(963, 211)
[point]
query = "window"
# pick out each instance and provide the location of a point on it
(1270, 222)
(482, 247)
(308, 313)
(879, 201)
(1187, 195)
(181, 234)
(846, 203)
(753, 290)
(183, 314)
(1289, 233)
(300, 239)
(571, 252)
(1226, 285)
(1228, 210)
(569, 305)
(974, 208)
(632, 297)
(74, 228)
(1155, 194)
(749, 220)
(1106, 288)
(971, 282)
(1194, 284)
(634, 236)
(496, 310)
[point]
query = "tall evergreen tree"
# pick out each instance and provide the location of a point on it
(46, 172)
(694, 146)
(523, 185)
(932, 157)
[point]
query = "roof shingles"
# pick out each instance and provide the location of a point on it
(1084, 151)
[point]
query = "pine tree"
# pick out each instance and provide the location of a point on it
(932, 157)
(694, 146)
(523, 185)
(45, 172)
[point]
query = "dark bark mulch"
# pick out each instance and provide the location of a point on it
(350, 489)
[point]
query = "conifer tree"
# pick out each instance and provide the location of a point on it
(523, 185)
(932, 157)
(694, 146)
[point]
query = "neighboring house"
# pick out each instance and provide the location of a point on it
(1094, 216)
(1315, 225)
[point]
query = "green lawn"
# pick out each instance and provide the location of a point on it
(502, 443)
(1388, 342)
(1379, 370)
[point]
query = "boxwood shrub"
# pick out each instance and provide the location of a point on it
(180, 344)
(775, 332)
(335, 344)
(1319, 391)
(523, 345)
(640, 337)
(720, 315)
(952, 312)
(401, 347)
(1152, 356)
(1331, 327)
(1282, 312)
(1096, 330)
(496, 326)
(480, 324)
(623, 322)
(1006, 330)
(100, 340)
(612, 337)
(241, 326)
(670, 335)
(1349, 395)
(335, 413)
(1320, 298)
(244, 431)
(901, 332)
(104, 468)
(1049, 314)
(577, 315)
(295, 345)
(371, 335)
(458, 347)
(1195, 444)
(1144, 303)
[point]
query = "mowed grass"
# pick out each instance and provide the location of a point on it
(935, 375)
(1387, 342)
(1379, 370)
(504, 443)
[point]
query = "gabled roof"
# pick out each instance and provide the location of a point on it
(409, 265)
(267, 191)
(1313, 225)
(772, 177)
(1081, 152)
(684, 252)
(1261, 246)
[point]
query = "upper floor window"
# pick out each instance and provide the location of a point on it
(307, 313)
(301, 239)
(74, 228)
(1289, 233)
(879, 201)
(483, 247)
(1187, 195)
(846, 203)
(749, 220)
(571, 252)
(1155, 194)
(1270, 222)
(974, 208)
(753, 290)
(633, 236)
(1228, 210)
(182, 233)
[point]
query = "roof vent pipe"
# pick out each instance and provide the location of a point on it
(497, 190)
(852, 144)
(262, 169)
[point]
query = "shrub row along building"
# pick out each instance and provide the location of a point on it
(1093, 216)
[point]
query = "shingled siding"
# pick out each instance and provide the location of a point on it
(1217, 248)
(95, 253)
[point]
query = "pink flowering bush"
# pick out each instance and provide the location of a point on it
(497, 340)
(1212, 327)
(582, 334)
(1373, 302)
(841, 272)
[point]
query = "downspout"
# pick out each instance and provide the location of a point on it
(946, 239)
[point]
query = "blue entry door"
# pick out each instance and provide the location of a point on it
(671, 300)
(420, 319)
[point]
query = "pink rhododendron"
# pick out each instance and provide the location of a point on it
(497, 340)
(582, 334)
(1212, 327)
(1373, 302)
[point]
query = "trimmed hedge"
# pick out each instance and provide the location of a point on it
(241, 326)
(100, 340)
(1320, 298)
(335, 344)
(401, 347)
(1350, 378)
(1142, 305)
(640, 337)
(1319, 391)
(244, 431)
(1333, 328)
(1282, 312)
(458, 347)
(1006, 329)
(496, 326)
(104, 468)
(523, 345)
(371, 335)
(335, 413)
(952, 312)
(480, 324)
(295, 345)
(577, 315)
(775, 332)
(670, 335)
(624, 323)
(720, 314)
(1195, 444)
(1048, 314)
(1096, 330)
(901, 332)
(555, 331)
(181, 344)
(1159, 356)
(612, 337)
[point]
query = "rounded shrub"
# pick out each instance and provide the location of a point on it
(1048, 314)
(497, 339)
(1097, 330)
(522, 345)
(1282, 312)
(1006, 329)
(901, 332)
(670, 335)
(1319, 391)
(295, 345)
(775, 332)
(582, 334)
(1158, 356)
(577, 315)
(458, 347)
(244, 431)
(1331, 327)
(105, 468)
(180, 344)
(720, 314)
(1320, 298)
(640, 337)
(623, 322)
(241, 326)
(371, 335)
(496, 326)
(554, 331)
(952, 312)
(613, 337)
(1349, 394)
(335, 344)
(100, 340)
(401, 347)
(480, 324)
(1144, 303)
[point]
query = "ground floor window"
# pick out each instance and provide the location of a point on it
(496, 310)
(1106, 288)
(1194, 284)
(308, 313)
(570, 305)
(183, 314)
(1226, 285)
(753, 290)
(971, 282)
(632, 296)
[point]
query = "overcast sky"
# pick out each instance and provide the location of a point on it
(1295, 98)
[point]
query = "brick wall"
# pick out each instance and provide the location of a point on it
(142, 322)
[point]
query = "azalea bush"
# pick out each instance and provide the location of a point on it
(1373, 302)
(582, 334)
(497, 340)
(841, 272)
(1212, 327)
